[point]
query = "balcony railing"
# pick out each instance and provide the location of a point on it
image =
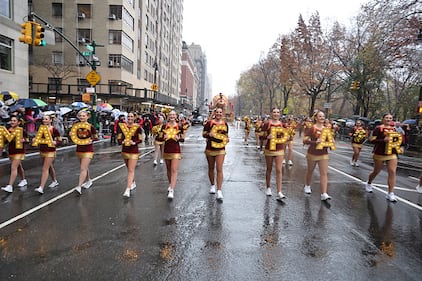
(102, 90)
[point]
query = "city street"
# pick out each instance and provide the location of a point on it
(101, 235)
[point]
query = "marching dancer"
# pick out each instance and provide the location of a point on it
(16, 153)
(83, 134)
(47, 152)
(274, 151)
(129, 136)
(216, 132)
(158, 135)
(358, 136)
(382, 137)
(173, 135)
(317, 155)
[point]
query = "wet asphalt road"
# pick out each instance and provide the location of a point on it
(102, 236)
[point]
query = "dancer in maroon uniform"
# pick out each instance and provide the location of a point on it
(83, 134)
(274, 152)
(216, 132)
(16, 154)
(381, 137)
(129, 136)
(48, 154)
(316, 156)
(158, 134)
(358, 136)
(173, 135)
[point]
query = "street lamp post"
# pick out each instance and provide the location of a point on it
(418, 114)
(328, 99)
(155, 66)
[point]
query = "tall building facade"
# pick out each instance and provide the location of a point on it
(13, 54)
(200, 61)
(188, 89)
(138, 44)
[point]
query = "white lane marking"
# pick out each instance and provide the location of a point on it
(52, 200)
(375, 186)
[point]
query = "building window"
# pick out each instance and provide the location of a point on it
(5, 8)
(115, 12)
(114, 61)
(57, 9)
(82, 85)
(119, 61)
(127, 64)
(80, 60)
(57, 37)
(115, 37)
(54, 84)
(118, 86)
(127, 42)
(128, 19)
(84, 36)
(5, 53)
(57, 57)
(84, 11)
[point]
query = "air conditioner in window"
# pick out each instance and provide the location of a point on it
(110, 63)
(112, 17)
(81, 40)
(81, 15)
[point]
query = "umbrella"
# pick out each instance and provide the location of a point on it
(29, 103)
(11, 94)
(15, 107)
(105, 106)
(49, 112)
(410, 121)
(79, 104)
(64, 110)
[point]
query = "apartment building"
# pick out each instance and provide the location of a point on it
(200, 61)
(188, 89)
(13, 54)
(138, 44)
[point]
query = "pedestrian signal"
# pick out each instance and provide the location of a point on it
(26, 31)
(154, 87)
(39, 35)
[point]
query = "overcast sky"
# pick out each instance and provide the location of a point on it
(234, 33)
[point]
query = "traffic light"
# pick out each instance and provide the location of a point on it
(39, 35)
(26, 31)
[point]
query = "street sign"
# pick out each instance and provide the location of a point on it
(154, 87)
(86, 53)
(93, 78)
(89, 47)
(327, 105)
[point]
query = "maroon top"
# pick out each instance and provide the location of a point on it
(267, 131)
(85, 134)
(56, 136)
(377, 139)
(311, 136)
(170, 144)
(137, 138)
(12, 145)
(207, 129)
